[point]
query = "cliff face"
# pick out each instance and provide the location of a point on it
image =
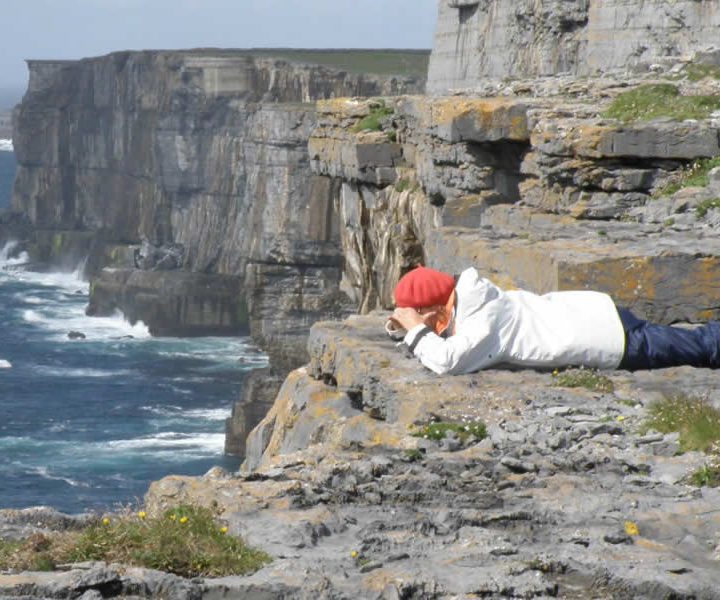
(179, 148)
(479, 39)
(188, 173)
(537, 191)
(5, 126)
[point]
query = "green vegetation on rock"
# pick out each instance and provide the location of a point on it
(404, 184)
(696, 72)
(706, 476)
(695, 175)
(656, 100)
(697, 422)
(185, 541)
(584, 378)
(702, 209)
(373, 121)
(438, 431)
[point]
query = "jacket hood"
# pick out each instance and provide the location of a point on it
(473, 292)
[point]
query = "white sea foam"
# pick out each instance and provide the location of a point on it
(178, 412)
(81, 373)
(32, 316)
(6, 145)
(10, 258)
(205, 443)
(5, 364)
(29, 299)
(45, 473)
(209, 414)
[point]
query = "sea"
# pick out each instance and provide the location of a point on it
(86, 424)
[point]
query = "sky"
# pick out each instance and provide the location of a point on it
(69, 29)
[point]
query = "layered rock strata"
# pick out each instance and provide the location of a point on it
(5, 125)
(537, 190)
(186, 173)
(480, 39)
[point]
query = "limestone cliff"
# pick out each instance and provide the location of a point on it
(187, 173)
(192, 161)
(5, 126)
(480, 39)
(538, 191)
(370, 471)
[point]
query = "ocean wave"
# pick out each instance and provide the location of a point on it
(32, 316)
(61, 318)
(29, 299)
(210, 443)
(45, 473)
(5, 364)
(10, 258)
(80, 373)
(6, 145)
(178, 412)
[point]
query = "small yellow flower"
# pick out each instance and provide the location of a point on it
(173, 517)
(106, 521)
(223, 530)
(183, 520)
(631, 528)
(555, 373)
(620, 418)
(354, 554)
(142, 514)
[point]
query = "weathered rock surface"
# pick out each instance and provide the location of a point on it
(182, 303)
(352, 505)
(187, 173)
(480, 39)
(536, 189)
(5, 125)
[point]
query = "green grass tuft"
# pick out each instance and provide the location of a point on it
(403, 185)
(695, 175)
(185, 541)
(584, 378)
(702, 209)
(652, 101)
(413, 455)
(696, 72)
(706, 476)
(697, 422)
(439, 431)
(373, 121)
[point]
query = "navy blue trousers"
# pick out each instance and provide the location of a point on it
(653, 346)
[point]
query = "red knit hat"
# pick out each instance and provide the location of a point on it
(423, 287)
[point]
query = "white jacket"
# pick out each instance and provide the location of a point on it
(494, 327)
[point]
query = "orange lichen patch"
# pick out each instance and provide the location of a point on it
(651, 545)
(624, 279)
(488, 113)
(345, 107)
(587, 139)
(379, 579)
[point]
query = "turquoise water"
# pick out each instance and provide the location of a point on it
(88, 423)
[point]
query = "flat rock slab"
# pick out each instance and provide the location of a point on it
(664, 276)
(564, 498)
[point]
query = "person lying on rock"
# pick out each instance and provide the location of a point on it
(464, 324)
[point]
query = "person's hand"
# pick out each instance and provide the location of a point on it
(408, 318)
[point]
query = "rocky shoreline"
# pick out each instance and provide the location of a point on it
(352, 505)
(532, 179)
